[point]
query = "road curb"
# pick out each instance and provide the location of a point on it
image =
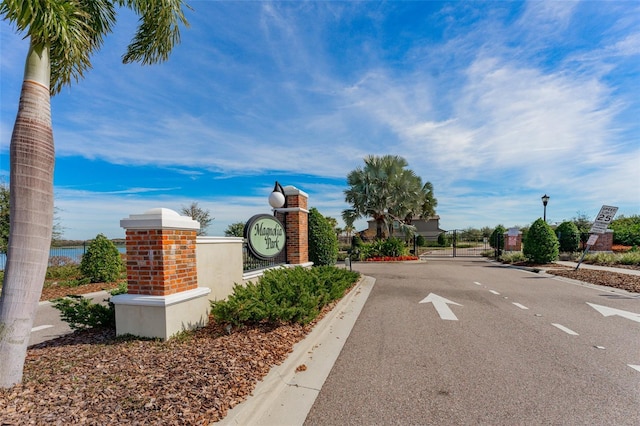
(286, 396)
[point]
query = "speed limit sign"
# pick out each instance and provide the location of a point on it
(604, 218)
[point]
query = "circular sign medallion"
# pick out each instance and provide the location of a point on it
(265, 236)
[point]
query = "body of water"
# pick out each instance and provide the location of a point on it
(73, 253)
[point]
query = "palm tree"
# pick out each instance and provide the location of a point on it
(63, 34)
(386, 191)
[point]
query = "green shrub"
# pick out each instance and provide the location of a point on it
(323, 243)
(541, 245)
(443, 241)
(626, 230)
(496, 241)
(102, 262)
(81, 312)
(512, 257)
(284, 295)
(63, 272)
(420, 241)
(568, 237)
(601, 258)
(393, 247)
(629, 258)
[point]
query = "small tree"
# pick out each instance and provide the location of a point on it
(102, 262)
(541, 244)
(497, 238)
(568, 237)
(323, 243)
(583, 223)
(199, 214)
(235, 230)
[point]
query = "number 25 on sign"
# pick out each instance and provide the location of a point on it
(606, 214)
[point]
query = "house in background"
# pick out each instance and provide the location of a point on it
(428, 228)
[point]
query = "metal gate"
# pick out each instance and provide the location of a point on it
(456, 243)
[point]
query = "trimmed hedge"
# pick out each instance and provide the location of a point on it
(323, 242)
(294, 295)
(568, 237)
(541, 244)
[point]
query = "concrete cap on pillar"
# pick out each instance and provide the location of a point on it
(292, 190)
(159, 218)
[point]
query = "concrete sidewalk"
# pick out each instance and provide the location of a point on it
(599, 267)
(285, 396)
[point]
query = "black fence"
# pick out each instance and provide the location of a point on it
(252, 263)
(457, 244)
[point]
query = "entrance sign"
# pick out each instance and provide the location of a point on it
(265, 236)
(604, 218)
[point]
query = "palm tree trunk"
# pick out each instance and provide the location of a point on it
(31, 200)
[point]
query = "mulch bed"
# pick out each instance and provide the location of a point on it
(622, 281)
(54, 291)
(92, 377)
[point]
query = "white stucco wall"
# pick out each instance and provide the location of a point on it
(219, 261)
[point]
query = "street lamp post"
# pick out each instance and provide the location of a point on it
(545, 200)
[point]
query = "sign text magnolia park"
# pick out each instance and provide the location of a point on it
(265, 236)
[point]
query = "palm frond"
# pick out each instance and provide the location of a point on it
(158, 31)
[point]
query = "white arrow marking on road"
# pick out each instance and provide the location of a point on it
(520, 306)
(441, 305)
(41, 327)
(635, 367)
(494, 292)
(477, 283)
(607, 312)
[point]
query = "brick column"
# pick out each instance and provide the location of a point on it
(296, 220)
(163, 296)
(161, 253)
(604, 242)
(512, 242)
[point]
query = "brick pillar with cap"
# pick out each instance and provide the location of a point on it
(163, 296)
(295, 217)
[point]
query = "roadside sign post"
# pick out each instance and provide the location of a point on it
(600, 225)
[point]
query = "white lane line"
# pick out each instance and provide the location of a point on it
(494, 292)
(41, 327)
(520, 306)
(635, 367)
(477, 283)
(565, 329)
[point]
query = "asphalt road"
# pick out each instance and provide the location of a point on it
(516, 348)
(48, 325)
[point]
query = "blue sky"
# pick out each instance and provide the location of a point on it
(494, 103)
